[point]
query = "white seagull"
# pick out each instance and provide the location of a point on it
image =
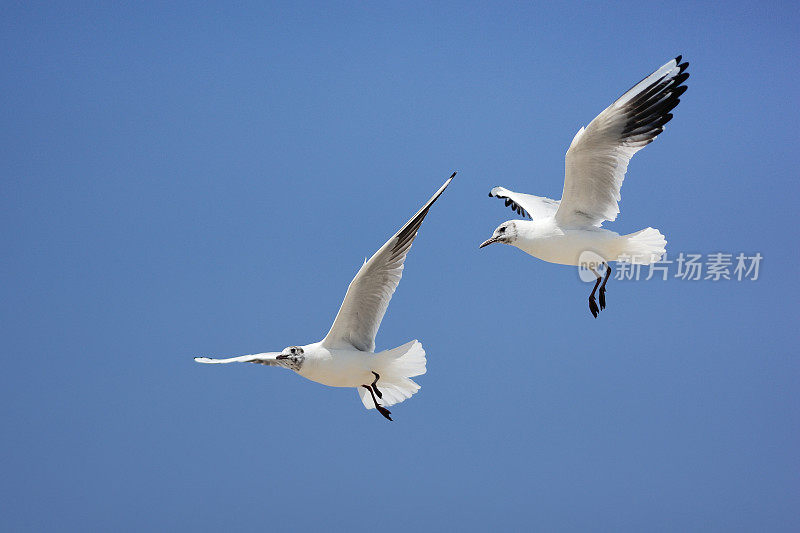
(345, 357)
(562, 231)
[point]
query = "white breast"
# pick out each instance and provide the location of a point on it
(565, 246)
(338, 368)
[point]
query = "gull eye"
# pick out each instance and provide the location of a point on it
(501, 229)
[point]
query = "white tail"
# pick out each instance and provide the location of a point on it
(396, 368)
(644, 247)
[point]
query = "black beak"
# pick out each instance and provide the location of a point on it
(487, 242)
(282, 356)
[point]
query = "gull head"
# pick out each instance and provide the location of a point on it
(291, 357)
(505, 233)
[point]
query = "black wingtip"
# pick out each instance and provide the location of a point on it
(681, 66)
(453, 175)
(678, 59)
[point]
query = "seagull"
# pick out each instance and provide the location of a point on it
(564, 231)
(346, 356)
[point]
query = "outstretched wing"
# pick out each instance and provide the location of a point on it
(371, 290)
(526, 205)
(598, 156)
(268, 359)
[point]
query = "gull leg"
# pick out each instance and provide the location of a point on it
(603, 287)
(592, 302)
(375, 386)
(382, 410)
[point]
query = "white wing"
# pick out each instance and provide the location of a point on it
(369, 293)
(526, 205)
(268, 359)
(598, 156)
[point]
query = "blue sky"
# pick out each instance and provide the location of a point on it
(206, 179)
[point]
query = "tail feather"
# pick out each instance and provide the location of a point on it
(643, 247)
(397, 366)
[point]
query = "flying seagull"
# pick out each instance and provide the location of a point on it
(346, 356)
(596, 161)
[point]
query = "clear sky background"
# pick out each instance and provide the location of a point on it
(205, 179)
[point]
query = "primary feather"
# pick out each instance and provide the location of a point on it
(598, 156)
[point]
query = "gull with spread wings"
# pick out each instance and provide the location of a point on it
(346, 357)
(564, 231)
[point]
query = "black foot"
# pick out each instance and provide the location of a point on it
(593, 306)
(603, 287)
(375, 384)
(382, 410)
(385, 412)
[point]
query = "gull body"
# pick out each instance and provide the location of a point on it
(562, 231)
(548, 241)
(339, 368)
(346, 357)
(316, 362)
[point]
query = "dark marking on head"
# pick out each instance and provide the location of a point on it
(291, 358)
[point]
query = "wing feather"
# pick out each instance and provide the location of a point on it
(598, 156)
(267, 359)
(526, 205)
(372, 288)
